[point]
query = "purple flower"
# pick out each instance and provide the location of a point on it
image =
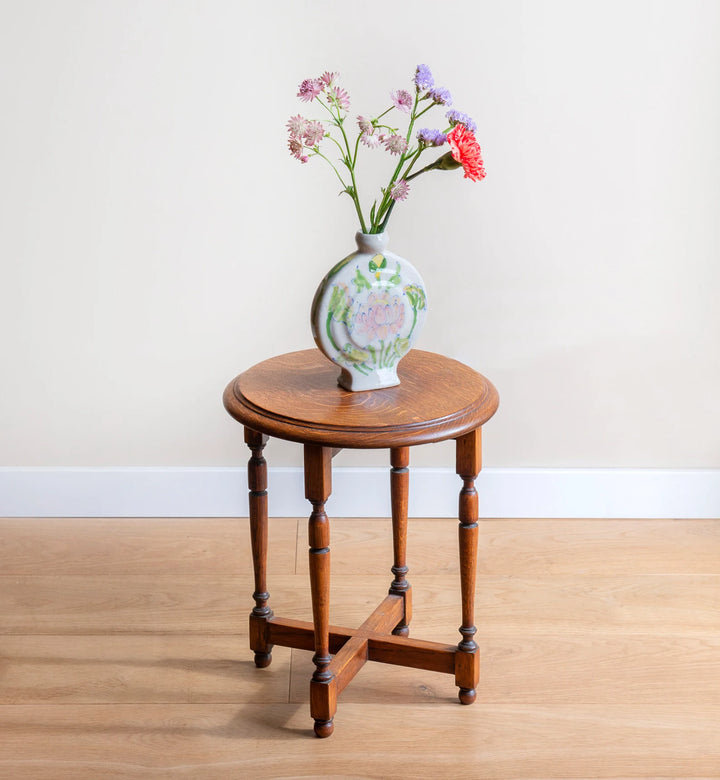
(431, 137)
(402, 100)
(395, 144)
(424, 78)
(440, 95)
(310, 89)
(400, 190)
(457, 118)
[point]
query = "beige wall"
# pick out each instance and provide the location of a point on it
(156, 238)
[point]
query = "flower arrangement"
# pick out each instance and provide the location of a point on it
(307, 135)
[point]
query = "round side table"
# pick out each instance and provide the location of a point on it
(296, 397)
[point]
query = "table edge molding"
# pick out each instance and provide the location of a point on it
(451, 426)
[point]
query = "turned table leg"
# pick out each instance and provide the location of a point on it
(467, 660)
(399, 484)
(318, 486)
(258, 511)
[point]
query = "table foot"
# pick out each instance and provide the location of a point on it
(323, 728)
(467, 695)
(401, 631)
(259, 641)
(467, 673)
(263, 660)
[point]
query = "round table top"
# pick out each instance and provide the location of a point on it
(296, 397)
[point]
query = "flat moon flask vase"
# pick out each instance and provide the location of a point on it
(368, 312)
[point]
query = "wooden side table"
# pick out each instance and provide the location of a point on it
(295, 397)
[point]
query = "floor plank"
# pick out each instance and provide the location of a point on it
(530, 548)
(114, 604)
(205, 604)
(123, 652)
(138, 669)
(438, 741)
(192, 546)
(551, 670)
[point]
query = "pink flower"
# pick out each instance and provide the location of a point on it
(297, 149)
(328, 78)
(310, 89)
(402, 100)
(313, 134)
(365, 125)
(381, 316)
(297, 126)
(395, 144)
(371, 140)
(400, 190)
(466, 150)
(339, 97)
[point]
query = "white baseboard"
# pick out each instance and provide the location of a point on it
(359, 492)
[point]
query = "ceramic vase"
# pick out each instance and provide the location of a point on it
(368, 312)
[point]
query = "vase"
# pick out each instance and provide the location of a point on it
(367, 313)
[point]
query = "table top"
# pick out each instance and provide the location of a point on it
(296, 397)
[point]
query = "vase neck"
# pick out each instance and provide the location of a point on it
(371, 243)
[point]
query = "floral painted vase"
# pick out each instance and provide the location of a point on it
(367, 313)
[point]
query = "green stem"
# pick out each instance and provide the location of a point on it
(357, 146)
(427, 168)
(412, 162)
(329, 110)
(405, 176)
(387, 202)
(425, 110)
(351, 168)
(329, 162)
(334, 140)
(383, 224)
(349, 161)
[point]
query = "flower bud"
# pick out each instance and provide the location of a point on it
(447, 163)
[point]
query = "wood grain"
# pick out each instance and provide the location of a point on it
(399, 485)
(599, 640)
(550, 670)
(533, 548)
(296, 397)
(271, 741)
(140, 669)
(98, 546)
(632, 605)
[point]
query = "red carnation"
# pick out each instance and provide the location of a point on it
(466, 150)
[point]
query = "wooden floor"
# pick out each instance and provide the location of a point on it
(123, 652)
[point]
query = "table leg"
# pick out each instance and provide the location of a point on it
(399, 484)
(257, 499)
(318, 486)
(467, 660)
